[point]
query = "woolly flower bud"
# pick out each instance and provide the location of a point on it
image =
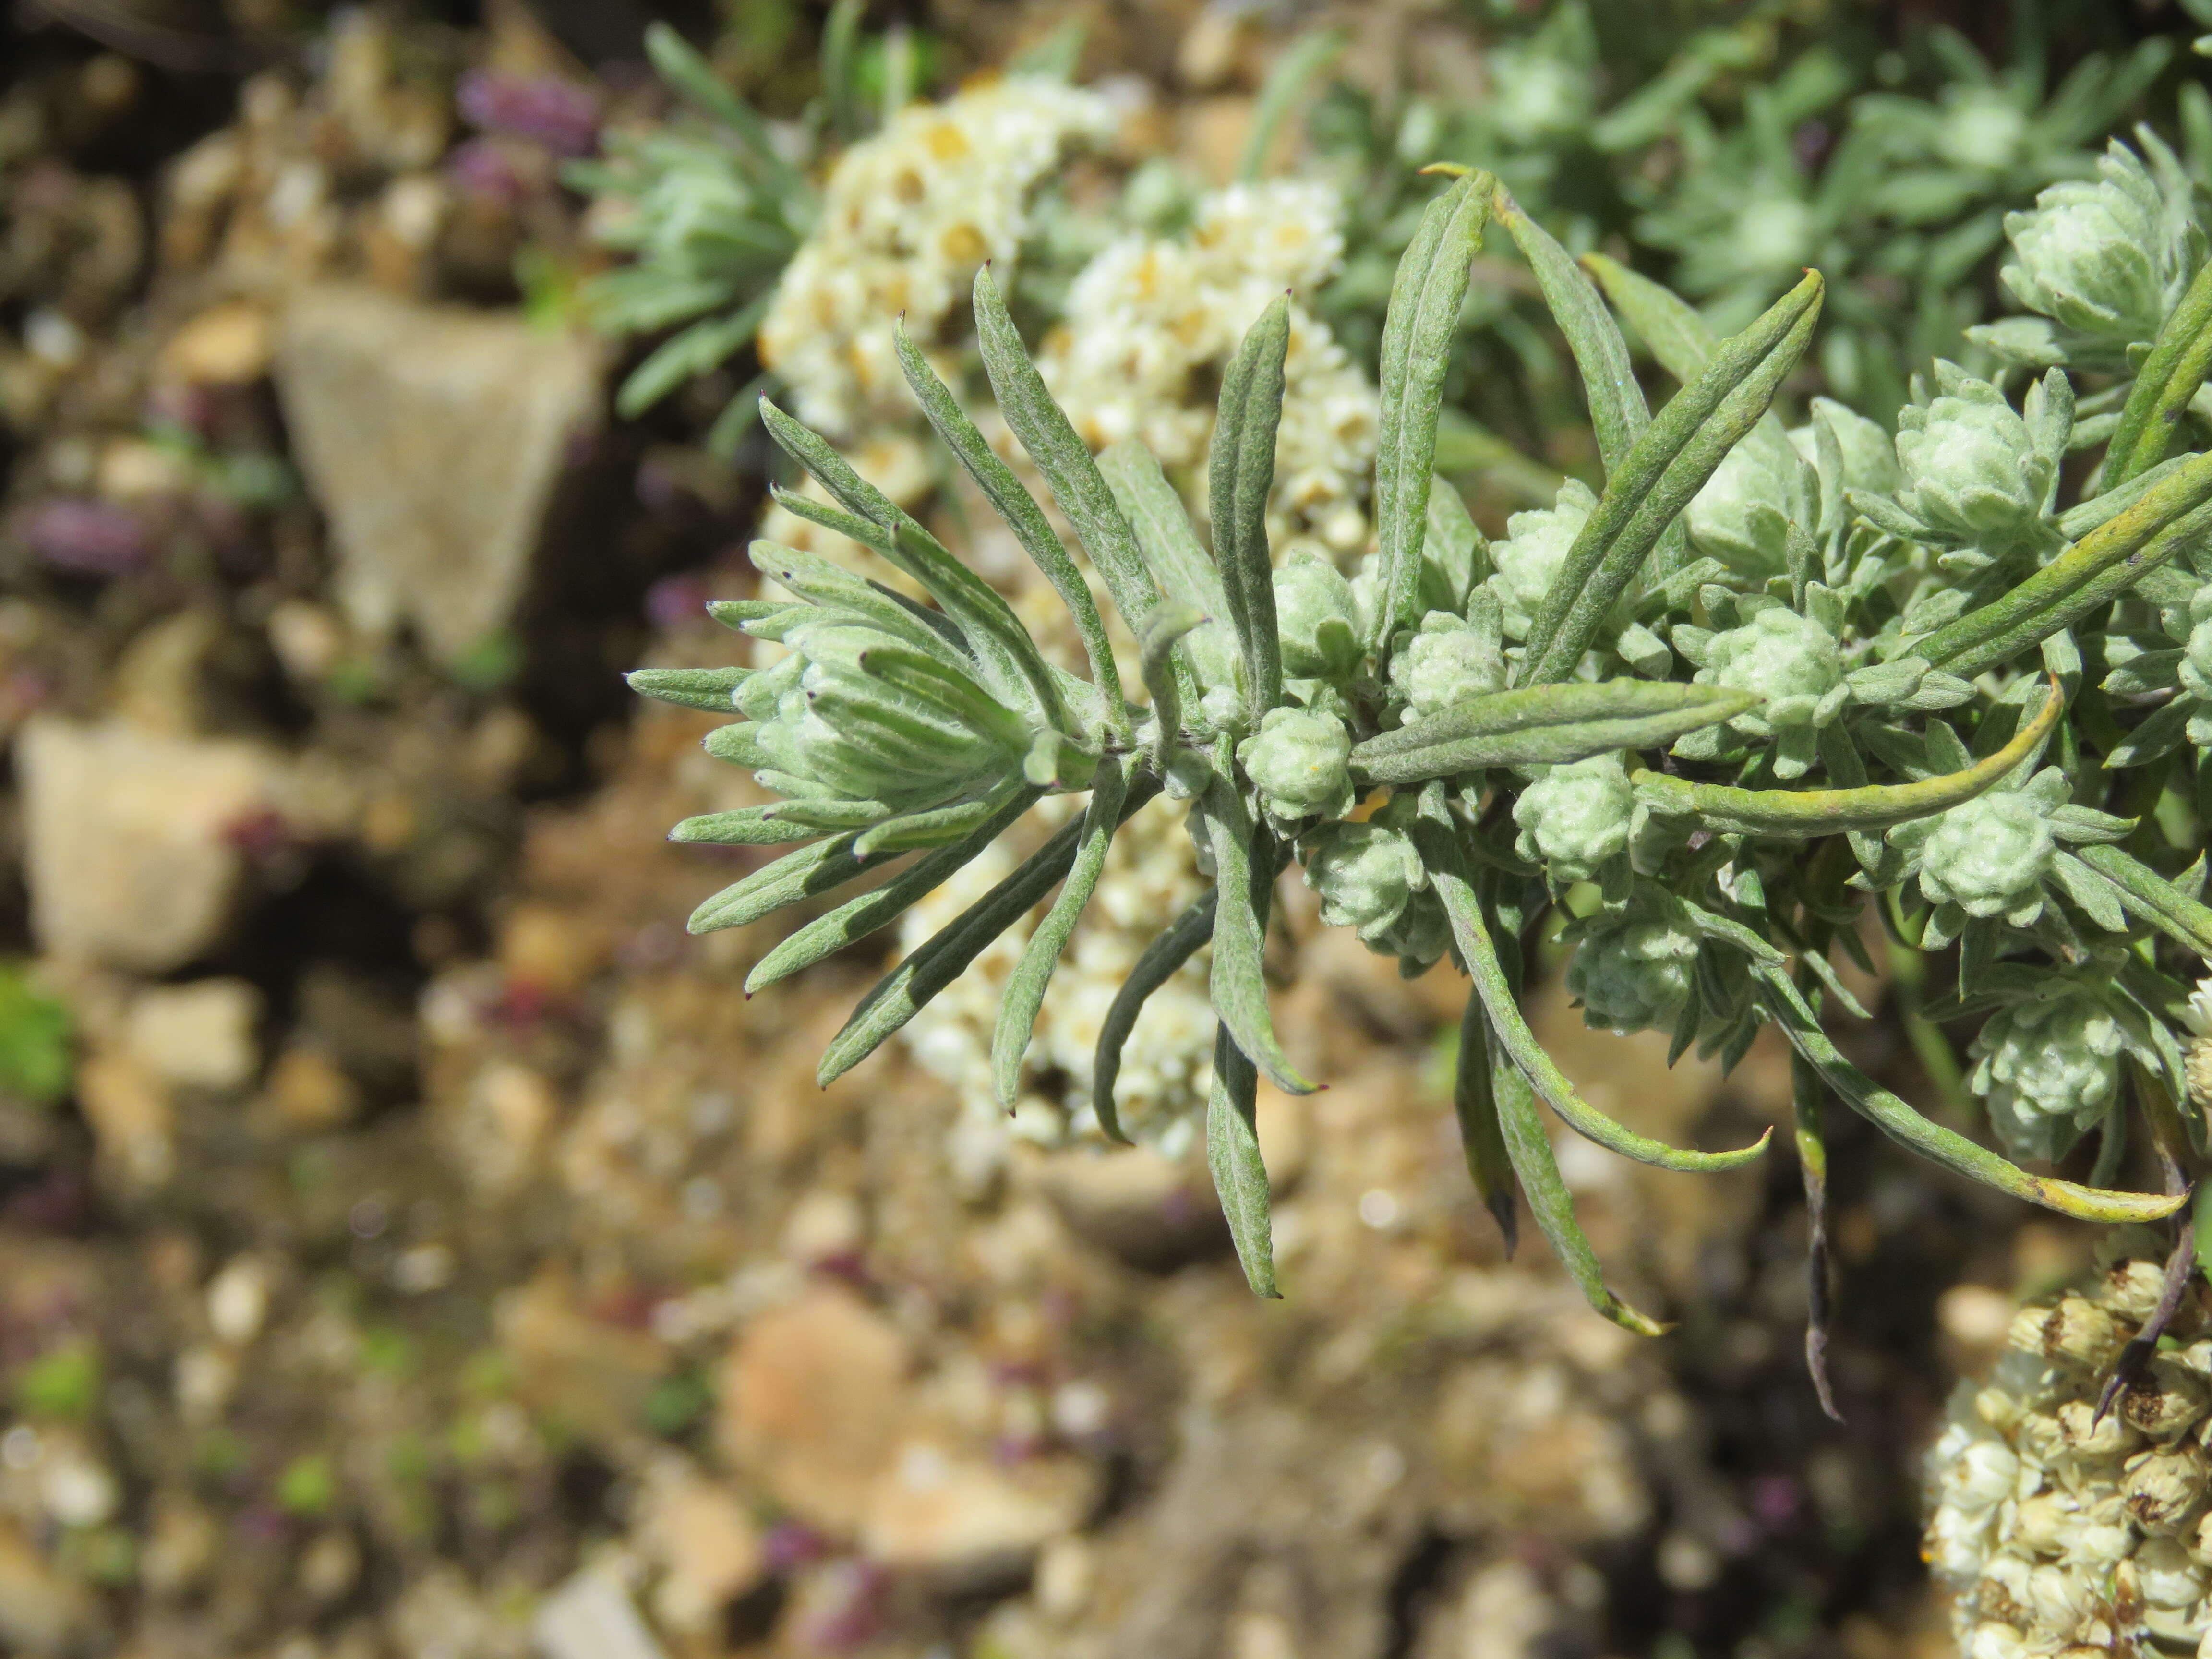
(2050, 1069)
(1790, 660)
(1300, 762)
(1365, 875)
(1448, 659)
(2198, 1018)
(1989, 855)
(1318, 615)
(1534, 548)
(1869, 455)
(2088, 256)
(1632, 971)
(1742, 515)
(1575, 817)
(1971, 471)
(2196, 661)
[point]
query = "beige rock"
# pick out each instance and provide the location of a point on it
(592, 1617)
(126, 840)
(198, 1036)
(133, 1121)
(179, 1546)
(432, 438)
(588, 1373)
(550, 949)
(41, 1611)
(705, 1542)
(959, 1517)
(227, 344)
(309, 1092)
(811, 1402)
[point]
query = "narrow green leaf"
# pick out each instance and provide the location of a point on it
(2152, 896)
(694, 78)
(1448, 872)
(748, 826)
(1024, 517)
(1550, 1202)
(699, 350)
(689, 688)
(1811, 1132)
(1065, 464)
(795, 876)
(2168, 520)
(1667, 465)
(1489, 1164)
(880, 906)
(1678, 337)
(1787, 1006)
(1616, 402)
(738, 744)
(1425, 296)
(1178, 564)
(1245, 860)
(1832, 811)
(1025, 987)
(900, 993)
(1162, 958)
(1232, 1157)
(1303, 60)
(1544, 724)
(926, 829)
(1242, 473)
(2169, 377)
(1155, 641)
(1005, 656)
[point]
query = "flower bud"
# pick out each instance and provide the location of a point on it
(1972, 472)
(2166, 1402)
(1742, 515)
(2163, 1489)
(1364, 875)
(1790, 660)
(1988, 856)
(1575, 817)
(1318, 617)
(1870, 454)
(2095, 257)
(1632, 971)
(1534, 548)
(1448, 659)
(2050, 1069)
(1301, 764)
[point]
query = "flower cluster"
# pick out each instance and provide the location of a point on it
(2060, 1529)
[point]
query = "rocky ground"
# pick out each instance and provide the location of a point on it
(428, 1252)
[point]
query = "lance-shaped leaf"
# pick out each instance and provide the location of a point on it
(1617, 409)
(902, 992)
(2169, 518)
(692, 76)
(1475, 1102)
(2141, 889)
(1679, 338)
(801, 875)
(1025, 987)
(748, 826)
(689, 688)
(1241, 475)
(1299, 65)
(1023, 516)
(1157, 635)
(1005, 654)
(699, 350)
(1805, 813)
(1232, 1157)
(2169, 377)
(1787, 1006)
(1158, 965)
(1061, 457)
(1245, 861)
(858, 917)
(1667, 465)
(1447, 869)
(1425, 296)
(1178, 564)
(1805, 1091)
(1543, 725)
(1550, 1202)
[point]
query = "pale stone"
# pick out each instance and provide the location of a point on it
(431, 437)
(41, 1611)
(198, 1036)
(591, 1617)
(812, 1401)
(128, 850)
(960, 1516)
(705, 1542)
(594, 1376)
(227, 344)
(133, 1122)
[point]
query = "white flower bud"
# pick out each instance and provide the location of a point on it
(1575, 817)
(1448, 659)
(2097, 258)
(1534, 548)
(2075, 1331)
(1365, 874)
(1742, 515)
(1989, 856)
(1300, 762)
(1632, 971)
(1972, 472)
(1791, 661)
(2050, 1069)
(1318, 617)
(2164, 1489)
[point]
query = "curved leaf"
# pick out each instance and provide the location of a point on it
(1232, 1157)
(1543, 725)
(1242, 472)
(1245, 860)
(2169, 377)
(1158, 965)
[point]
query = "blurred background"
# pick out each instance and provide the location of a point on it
(413, 1245)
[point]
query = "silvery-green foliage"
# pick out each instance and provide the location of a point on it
(1762, 683)
(2050, 1069)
